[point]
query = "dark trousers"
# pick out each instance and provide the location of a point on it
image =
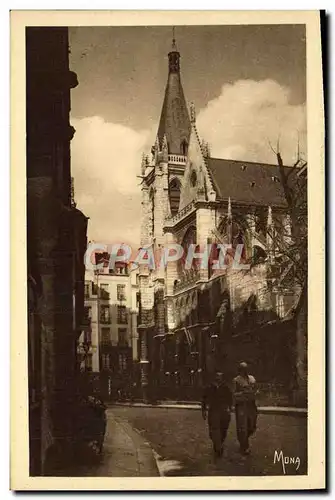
(218, 423)
(246, 420)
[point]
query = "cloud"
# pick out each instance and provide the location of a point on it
(240, 123)
(106, 159)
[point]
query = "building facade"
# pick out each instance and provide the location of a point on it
(191, 314)
(56, 243)
(111, 303)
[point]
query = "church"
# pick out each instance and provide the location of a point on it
(196, 319)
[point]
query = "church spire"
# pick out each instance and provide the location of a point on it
(174, 46)
(174, 121)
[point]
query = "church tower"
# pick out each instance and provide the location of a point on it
(161, 185)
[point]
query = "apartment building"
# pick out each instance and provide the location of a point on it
(111, 304)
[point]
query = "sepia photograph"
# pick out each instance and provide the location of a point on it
(168, 287)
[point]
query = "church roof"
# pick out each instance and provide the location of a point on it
(174, 121)
(247, 182)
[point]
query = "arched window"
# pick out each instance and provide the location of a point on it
(190, 237)
(183, 148)
(193, 178)
(238, 237)
(174, 195)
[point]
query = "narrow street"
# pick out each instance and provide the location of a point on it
(180, 438)
(174, 442)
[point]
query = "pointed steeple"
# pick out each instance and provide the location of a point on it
(174, 121)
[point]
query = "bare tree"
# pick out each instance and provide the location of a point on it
(294, 249)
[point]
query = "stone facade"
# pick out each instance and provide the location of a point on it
(56, 235)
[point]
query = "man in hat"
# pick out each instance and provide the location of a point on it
(217, 402)
(244, 387)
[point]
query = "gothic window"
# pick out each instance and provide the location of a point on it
(238, 239)
(174, 195)
(193, 178)
(190, 237)
(183, 148)
(238, 235)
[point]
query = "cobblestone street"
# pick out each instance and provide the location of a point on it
(179, 440)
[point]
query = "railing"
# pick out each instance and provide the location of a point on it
(179, 215)
(177, 159)
(189, 278)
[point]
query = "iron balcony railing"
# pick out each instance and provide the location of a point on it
(179, 215)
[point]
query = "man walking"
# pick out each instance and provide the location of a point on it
(217, 401)
(245, 406)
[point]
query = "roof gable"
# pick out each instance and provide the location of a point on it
(196, 178)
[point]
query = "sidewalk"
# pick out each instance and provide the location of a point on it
(274, 410)
(125, 454)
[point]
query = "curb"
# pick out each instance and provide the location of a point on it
(146, 459)
(269, 410)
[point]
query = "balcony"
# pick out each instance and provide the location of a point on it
(177, 159)
(170, 221)
(104, 320)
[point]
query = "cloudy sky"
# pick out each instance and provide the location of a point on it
(248, 85)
